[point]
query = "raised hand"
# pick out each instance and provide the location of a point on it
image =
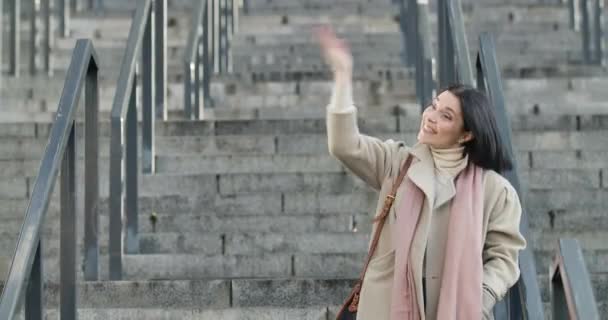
(335, 51)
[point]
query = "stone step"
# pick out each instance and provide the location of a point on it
(548, 204)
(249, 313)
(208, 294)
(259, 266)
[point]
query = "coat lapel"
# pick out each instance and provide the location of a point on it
(422, 172)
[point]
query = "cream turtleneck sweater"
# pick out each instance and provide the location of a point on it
(448, 164)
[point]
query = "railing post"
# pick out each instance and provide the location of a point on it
(412, 32)
(15, 38)
(132, 173)
(220, 33)
(67, 249)
(91, 195)
(33, 34)
(216, 35)
(63, 12)
(585, 29)
(34, 301)
(149, 98)
(446, 46)
(598, 13)
(207, 57)
(424, 65)
(229, 33)
(46, 38)
(574, 14)
(117, 198)
(1, 39)
(463, 61)
(160, 55)
(188, 92)
(223, 26)
(198, 69)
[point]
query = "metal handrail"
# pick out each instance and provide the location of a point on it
(26, 267)
(592, 30)
(524, 298)
(415, 31)
(207, 51)
(572, 295)
(123, 139)
(454, 63)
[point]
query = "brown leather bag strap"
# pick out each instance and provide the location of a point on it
(352, 301)
(381, 219)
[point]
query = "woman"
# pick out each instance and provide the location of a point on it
(449, 247)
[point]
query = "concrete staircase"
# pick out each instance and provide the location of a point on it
(255, 219)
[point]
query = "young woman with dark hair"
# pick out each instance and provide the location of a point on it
(449, 245)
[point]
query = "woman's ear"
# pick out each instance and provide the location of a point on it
(466, 137)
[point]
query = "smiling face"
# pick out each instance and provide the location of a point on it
(442, 125)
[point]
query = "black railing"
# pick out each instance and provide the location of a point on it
(572, 295)
(37, 9)
(454, 61)
(207, 51)
(26, 267)
(148, 20)
(523, 300)
(416, 31)
(588, 19)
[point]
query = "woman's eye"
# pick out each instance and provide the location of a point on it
(446, 116)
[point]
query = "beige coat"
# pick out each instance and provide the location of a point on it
(377, 163)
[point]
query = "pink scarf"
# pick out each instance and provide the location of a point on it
(460, 296)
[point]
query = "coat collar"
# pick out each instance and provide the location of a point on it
(422, 171)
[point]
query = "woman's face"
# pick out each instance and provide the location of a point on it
(442, 123)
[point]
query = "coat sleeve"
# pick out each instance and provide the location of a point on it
(367, 157)
(503, 242)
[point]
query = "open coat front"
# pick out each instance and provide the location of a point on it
(377, 163)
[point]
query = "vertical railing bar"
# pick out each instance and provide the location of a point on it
(46, 38)
(15, 38)
(216, 36)
(197, 81)
(575, 16)
(207, 58)
(34, 300)
(222, 35)
(426, 54)
(67, 249)
(35, 9)
(188, 92)
(598, 11)
(1, 41)
(442, 28)
(411, 25)
(91, 196)
(148, 107)
(229, 33)
(131, 173)
(160, 56)
(64, 18)
(585, 29)
(117, 198)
